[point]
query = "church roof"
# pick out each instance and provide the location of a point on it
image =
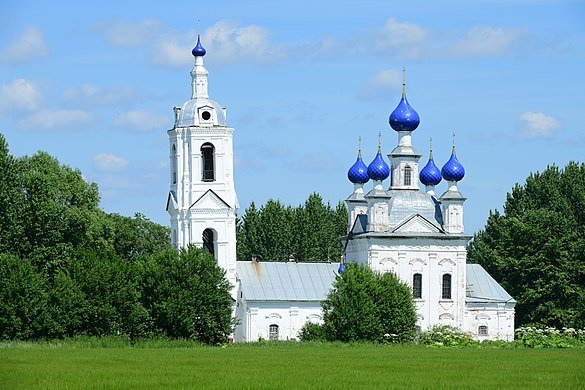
(292, 281)
(286, 281)
(482, 288)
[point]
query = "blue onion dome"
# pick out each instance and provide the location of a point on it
(430, 175)
(453, 170)
(378, 169)
(404, 117)
(341, 268)
(358, 173)
(198, 50)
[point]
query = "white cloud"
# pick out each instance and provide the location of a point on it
(142, 120)
(107, 162)
(48, 119)
(534, 125)
(88, 94)
(130, 34)
(21, 95)
(27, 46)
(395, 34)
(381, 83)
(225, 39)
(412, 41)
(485, 41)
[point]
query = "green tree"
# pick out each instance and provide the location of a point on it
(309, 232)
(364, 305)
(10, 199)
(22, 299)
(188, 296)
(536, 247)
(56, 212)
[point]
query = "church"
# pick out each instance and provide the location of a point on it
(399, 228)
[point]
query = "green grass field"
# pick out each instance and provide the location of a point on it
(286, 365)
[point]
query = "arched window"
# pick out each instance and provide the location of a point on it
(273, 332)
(446, 293)
(174, 163)
(209, 241)
(407, 175)
(417, 286)
(207, 162)
(482, 330)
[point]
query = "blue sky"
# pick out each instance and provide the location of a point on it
(94, 85)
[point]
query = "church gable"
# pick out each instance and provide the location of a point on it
(417, 224)
(210, 201)
(171, 201)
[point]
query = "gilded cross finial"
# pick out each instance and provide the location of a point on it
(404, 81)
(431, 147)
(379, 141)
(359, 146)
(453, 142)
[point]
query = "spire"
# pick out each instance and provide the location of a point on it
(453, 170)
(199, 73)
(404, 82)
(404, 117)
(198, 50)
(430, 175)
(358, 173)
(378, 170)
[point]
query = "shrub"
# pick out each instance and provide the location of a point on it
(446, 336)
(547, 337)
(312, 332)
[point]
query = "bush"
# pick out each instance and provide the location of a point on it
(312, 332)
(364, 305)
(546, 337)
(446, 336)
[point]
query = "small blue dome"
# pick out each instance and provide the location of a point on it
(341, 268)
(378, 169)
(453, 170)
(198, 50)
(430, 175)
(404, 117)
(358, 173)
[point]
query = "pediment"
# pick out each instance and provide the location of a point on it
(210, 201)
(417, 224)
(171, 201)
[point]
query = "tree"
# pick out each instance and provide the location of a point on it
(56, 210)
(364, 305)
(188, 296)
(10, 199)
(22, 299)
(536, 248)
(309, 232)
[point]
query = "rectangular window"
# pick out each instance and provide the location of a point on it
(273, 332)
(482, 330)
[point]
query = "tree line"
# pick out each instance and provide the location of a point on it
(308, 232)
(535, 248)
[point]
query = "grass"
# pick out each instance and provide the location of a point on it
(89, 364)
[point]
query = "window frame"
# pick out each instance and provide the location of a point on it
(417, 285)
(207, 162)
(446, 290)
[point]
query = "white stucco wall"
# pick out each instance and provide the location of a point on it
(290, 316)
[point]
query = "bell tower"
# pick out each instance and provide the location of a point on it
(202, 201)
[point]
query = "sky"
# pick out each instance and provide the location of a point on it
(94, 84)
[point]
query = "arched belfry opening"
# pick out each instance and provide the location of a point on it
(209, 241)
(207, 162)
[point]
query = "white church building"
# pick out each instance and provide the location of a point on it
(398, 228)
